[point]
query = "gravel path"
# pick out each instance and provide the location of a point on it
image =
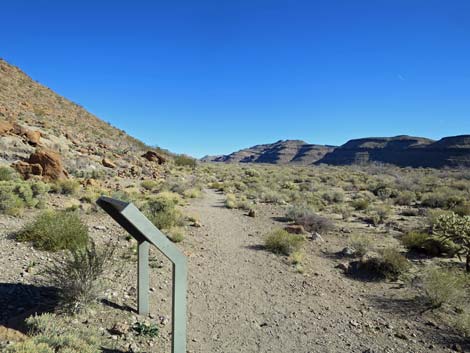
(244, 299)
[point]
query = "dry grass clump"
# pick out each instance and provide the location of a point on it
(304, 216)
(55, 230)
(52, 334)
(280, 241)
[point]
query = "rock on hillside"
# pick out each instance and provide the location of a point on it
(34, 117)
(404, 151)
(280, 152)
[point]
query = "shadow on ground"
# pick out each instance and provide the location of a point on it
(416, 309)
(19, 301)
(118, 306)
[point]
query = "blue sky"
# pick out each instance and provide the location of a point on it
(210, 77)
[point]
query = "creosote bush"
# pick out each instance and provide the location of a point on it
(361, 244)
(185, 161)
(78, 276)
(161, 211)
(17, 194)
(66, 187)
(280, 241)
(389, 265)
(444, 286)
(56, 230)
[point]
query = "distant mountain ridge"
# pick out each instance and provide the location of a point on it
(403, 151)
(280, 152)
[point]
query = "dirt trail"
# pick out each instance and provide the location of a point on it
(244, 299)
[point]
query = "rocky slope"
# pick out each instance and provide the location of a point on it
(404, 151)
(33, 117)
(280, 152)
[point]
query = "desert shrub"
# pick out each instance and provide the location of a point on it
(175, 234)
(361, 244)
(442, 199)
(56, 230)
(7, 174)
(333, 197)
(39, 188)
(462, 322)
(252, 173)
(426, 243)
(162, 212)
(10, 203)
(51, 334)
(78, 276)
(149, 184)
(379, 214)
(455, 229)
(390, 265)
(315, 223)
(383, 192)
(185, 161)
(405, 198)
(295, 212)
(280, 241)
(230, 201)
(192, 193)
(360, 204)
(462, 210)
(443, 286)
(272, 196)
(65, 187)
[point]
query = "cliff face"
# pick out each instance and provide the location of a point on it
(404, 151)
(280, 152)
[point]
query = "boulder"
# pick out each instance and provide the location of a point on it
(33, 137)
(5, 127)
(108, 163)
(27, 170)
(51, 164)
(153, 156)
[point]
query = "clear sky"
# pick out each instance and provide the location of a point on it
(210, 77)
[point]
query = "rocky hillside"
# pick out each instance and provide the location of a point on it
(404, 151)
(280, 152)
(35, 119)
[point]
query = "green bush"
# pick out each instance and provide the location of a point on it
(149, 184)
(441, 286)
(425, 243)
(144, 329)
(7, 174)
(175, 234)
(280, 241)
(390, 265)
(360, 243)
(16, 195)
(379, 214)
(66, 187)
(78, 276)
(405, 198)
(360, 204)
(162, 212)
(51, 334)
(185, 161)
(56, 230)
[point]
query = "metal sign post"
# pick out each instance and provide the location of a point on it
(137, 225)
